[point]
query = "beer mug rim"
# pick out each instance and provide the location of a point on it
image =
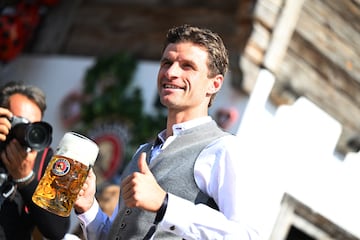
(78, 147)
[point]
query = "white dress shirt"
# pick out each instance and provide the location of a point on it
(216, 174)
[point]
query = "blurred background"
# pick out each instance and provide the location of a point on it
(293, 89)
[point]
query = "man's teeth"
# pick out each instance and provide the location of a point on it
(171, 86)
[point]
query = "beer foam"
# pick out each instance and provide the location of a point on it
(78, 147)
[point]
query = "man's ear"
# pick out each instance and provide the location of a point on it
(216, 83)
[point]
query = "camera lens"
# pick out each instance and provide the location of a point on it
(38, 135)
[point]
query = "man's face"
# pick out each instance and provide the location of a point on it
(183, 81)
(22, 106)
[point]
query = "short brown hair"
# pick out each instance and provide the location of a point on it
(31, 92)
(218, 58)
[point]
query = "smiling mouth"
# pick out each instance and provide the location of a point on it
(168, 86)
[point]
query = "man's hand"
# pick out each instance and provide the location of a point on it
(141, 190)
(18, 162)
(5, 123)
(87, 194)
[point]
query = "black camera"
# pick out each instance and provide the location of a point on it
(36, 135)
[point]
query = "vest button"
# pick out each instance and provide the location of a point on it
(128, 211)
(122, 225)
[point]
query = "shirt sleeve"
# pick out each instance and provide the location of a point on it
(191, 221)
(95, 223)
(216, 173)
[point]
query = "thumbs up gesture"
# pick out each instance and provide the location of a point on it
(140, 189)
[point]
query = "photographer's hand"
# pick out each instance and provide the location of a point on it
(5, 123)
(17, 160)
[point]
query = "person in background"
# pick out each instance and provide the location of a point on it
(23, 168)
(184, 185)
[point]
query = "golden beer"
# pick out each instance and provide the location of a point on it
(65, 174)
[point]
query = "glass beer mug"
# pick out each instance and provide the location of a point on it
(65, 174)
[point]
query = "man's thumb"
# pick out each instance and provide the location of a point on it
(142, 164)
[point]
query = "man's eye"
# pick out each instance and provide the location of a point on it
(166, 64)
(187, 66)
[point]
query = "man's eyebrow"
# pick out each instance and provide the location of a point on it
(190, 61)
(185, 60)
(165, 59)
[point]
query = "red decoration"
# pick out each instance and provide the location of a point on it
(12, 37)
(17, 25)
(111, 139)
(70, 109)
(226, 117)
(49, 2)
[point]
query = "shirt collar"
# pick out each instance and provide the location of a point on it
(179, 127)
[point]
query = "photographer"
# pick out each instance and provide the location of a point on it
(21, 167)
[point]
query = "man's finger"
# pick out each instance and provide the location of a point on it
(142, 164)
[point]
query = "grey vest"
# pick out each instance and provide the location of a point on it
(173, 169)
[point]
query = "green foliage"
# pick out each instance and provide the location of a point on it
(105, 87)
(110, 96)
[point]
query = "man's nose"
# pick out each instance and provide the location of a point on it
(173, 71)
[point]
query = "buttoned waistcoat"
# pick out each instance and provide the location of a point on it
(173, 169)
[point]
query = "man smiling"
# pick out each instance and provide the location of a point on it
(184, 185)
